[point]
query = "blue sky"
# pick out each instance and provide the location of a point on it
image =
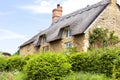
(22, 19)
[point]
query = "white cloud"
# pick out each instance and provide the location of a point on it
(7, 35)
(70, 5)
(46, 6)
(40, 6)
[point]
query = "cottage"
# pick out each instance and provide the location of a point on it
(72, 30)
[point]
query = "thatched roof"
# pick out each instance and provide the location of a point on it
(5, 53)
(78, 22)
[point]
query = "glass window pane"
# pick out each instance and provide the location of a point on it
(68, 33)
(68, 44)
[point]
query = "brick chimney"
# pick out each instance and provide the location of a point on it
(56, 13)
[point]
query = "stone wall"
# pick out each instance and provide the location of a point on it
(109, 19)
(27, 49)
(79, 42)
(56, 46)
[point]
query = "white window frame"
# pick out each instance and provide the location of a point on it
(44, 40)
(68, 44)
(68, 33)
(28, 47)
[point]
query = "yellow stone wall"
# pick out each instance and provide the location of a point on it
(27, 49)
(79, 42)
(56, 46)
(109, 18)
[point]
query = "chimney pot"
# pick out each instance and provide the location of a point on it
(58, 5)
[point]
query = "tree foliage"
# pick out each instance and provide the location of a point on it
(102, 38)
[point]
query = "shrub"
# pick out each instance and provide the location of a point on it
(77, 61)
(116, 69)
(98, 61)
(27, 58)
(3, 63)
(106, 63)
(84, 62)
(15, 63)
(47, 66)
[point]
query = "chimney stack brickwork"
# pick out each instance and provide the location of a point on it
(56, 13)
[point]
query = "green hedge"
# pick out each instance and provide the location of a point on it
(3, 63)
(116, 69)
(47, 66)
(54, 66)
(15, 63)
(98, 62)
(107, 58)
(84, 62)
(106, 63)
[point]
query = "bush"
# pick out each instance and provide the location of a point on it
(27, 58)
(98, 61)
(106, 63)
(106, 60)
(84, 62)
(116, 69)
(47, 66)
(15, 63)
(3, 63)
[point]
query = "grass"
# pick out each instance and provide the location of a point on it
(73, 76)
(12, 76)
(0, 53)
(85, 76)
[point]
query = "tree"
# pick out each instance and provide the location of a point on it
(102, 38)
(17, 53)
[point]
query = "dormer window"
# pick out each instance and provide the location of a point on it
(44, 40)
(68, 33)
(28, 47)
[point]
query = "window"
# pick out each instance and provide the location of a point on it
(44, 40)
(28, 47)
(68, 33)
(68, 47)
(68, 44)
